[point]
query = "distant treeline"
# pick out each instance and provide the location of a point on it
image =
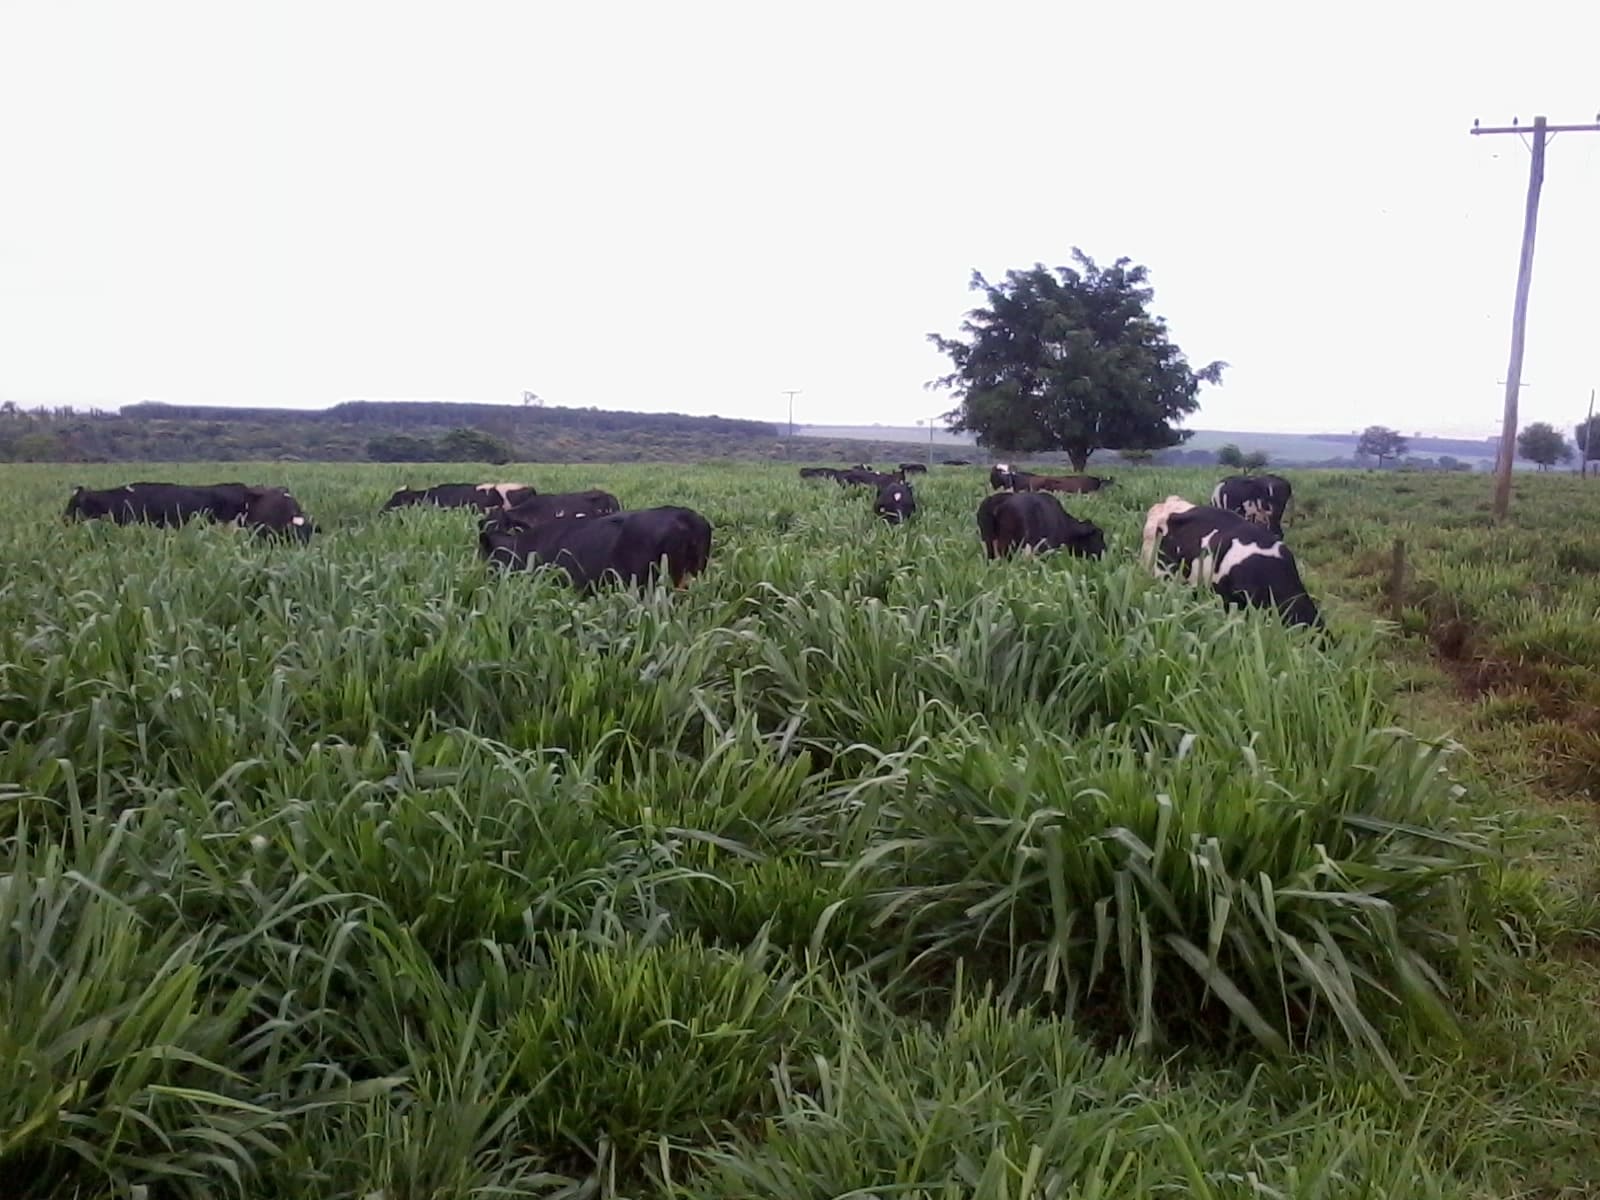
(361, 430)
(394, 431)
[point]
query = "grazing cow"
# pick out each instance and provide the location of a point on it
(146, 503)
(1244, 563)
(483, 496)
(1263, 499)
(913, 469)
(627, 545)
(895, 502)
(820, 473)
(956, 462)
(267, 510)
(551, 505)
(1036, 522)
(1071, 484)
(274, 511)
(1003, 475)
(864, 477)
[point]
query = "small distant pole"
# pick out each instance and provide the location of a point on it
(1587, 448)
(791, 393)
(1542, 131)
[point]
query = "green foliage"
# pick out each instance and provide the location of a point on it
(1381, 442)
(1256, 460)
(1230, 456)
(1071, 360)
(357, 868)
(402, 447)
(473, 445)
(1541, 443)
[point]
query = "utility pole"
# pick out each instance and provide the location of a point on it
(791, 393)
(1542, 131)
(1587, 449)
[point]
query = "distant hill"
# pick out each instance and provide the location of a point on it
(365, 430)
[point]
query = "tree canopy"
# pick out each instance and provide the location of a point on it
(1070, 359)
(1542, 444)
(1381, 442)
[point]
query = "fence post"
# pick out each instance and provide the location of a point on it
(1397, 578)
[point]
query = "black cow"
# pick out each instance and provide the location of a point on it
(956, 462)
(274, 511)
(896, 502)
(1244, 563)
(1003, 475)
(1263, 499)
(820, 472)
(1037, 522)
(265, 509)
(913, 469)
(551, 505)
(483, 496)
(147, 503)
(627, 545)
(864, 477)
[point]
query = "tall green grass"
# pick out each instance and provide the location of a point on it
(415, 878)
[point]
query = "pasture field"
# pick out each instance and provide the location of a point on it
(860, 867)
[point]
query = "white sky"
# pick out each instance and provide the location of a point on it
(693, 206)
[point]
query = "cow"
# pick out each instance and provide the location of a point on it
(1070, 484)
(1263, 499)
(1244, 564)
(265, 509)
(956, 462)
(1036, 522)
(1003, 475)
(149, 503)
(896, 503)
(628, 546)
(820, 472)
(865, 477)
(913, 468)
(552, 505)
(482, 496)
(273, 511)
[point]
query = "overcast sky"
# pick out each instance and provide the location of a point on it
(693, 206)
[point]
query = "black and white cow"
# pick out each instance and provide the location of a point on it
(896, 502)
(1263, 499)
(1244, 563)
(1034, 522)
(482, 496)
(627, 545)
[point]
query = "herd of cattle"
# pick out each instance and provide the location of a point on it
(1235, 544)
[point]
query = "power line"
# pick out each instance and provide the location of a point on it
(1541, 130)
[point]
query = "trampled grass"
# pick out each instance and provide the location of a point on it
(861, 863)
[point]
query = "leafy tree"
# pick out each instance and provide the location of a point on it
(1231, 456)
(1541, 443)
(1381, 442)
(1070, 360)
(1255, 460)
(1136, 458)
(473, 445)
